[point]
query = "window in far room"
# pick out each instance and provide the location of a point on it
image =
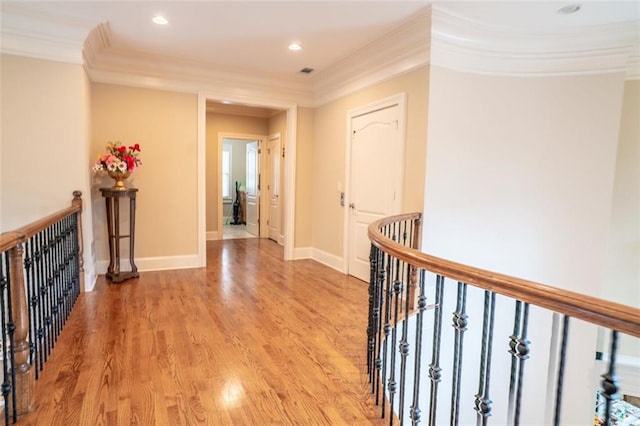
(226, 171)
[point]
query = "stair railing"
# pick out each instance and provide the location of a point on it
(408, 370)
(41, 276)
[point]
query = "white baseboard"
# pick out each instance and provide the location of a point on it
(90, 280)
(302, 253)
(213, 235)
(159, 263)
(328, 259)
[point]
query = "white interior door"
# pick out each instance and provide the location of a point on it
(273, 186)
(252, 214)
(376, 156)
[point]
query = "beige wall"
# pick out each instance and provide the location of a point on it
(44, 152)
(224, 123)
(165, 126)
(329, 150)
(304, 178)
(44, 124)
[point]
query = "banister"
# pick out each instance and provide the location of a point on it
(592, 309)
(23, 340)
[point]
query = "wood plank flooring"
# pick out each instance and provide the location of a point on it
(250, 340)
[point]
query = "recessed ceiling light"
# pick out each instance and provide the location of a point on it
(295, 47)
(227, 102)
(160, 20)
(569, 9)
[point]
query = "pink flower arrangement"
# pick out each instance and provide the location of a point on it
(118, 158)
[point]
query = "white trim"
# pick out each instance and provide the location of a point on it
(156, 263)
(405, 48)
(466, 45)
(290, 182)
(90, 280)
(290, 163)
(303, 253)
(213, 235)
(202, 180)
(401, 100)
(327, 259)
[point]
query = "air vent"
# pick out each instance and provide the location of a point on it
(306, 70)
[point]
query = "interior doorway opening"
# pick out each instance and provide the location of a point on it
(239, 173)
(209, 187)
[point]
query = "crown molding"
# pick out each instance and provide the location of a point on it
(465, 45)
(105, 64)
(404, 49)
(44, 36)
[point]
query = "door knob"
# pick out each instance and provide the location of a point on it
(352, 206)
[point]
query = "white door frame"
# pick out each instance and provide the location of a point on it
(241, 136)
(401, 100)
(269, 178)
(289, 166)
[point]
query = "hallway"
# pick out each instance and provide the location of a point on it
(251, 340)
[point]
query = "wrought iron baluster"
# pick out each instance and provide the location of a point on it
(42, 299)
(610, 380)
(387, 326)
(460, 326)
(404, 340)
(5, 276)
(29, 267)
(482, 399)
(435, 372)
(415, 411)
(560, 379)
(519, 350)
(373, 261)
(381, 307)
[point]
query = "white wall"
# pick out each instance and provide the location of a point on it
(519, 180)
(622, 274)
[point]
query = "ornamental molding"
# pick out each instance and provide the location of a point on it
(405, 48)
(44, 36)
(470, 46)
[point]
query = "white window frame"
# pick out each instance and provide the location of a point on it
(227, 148)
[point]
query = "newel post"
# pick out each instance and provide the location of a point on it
(413, 277)
(24, 378)
(77, 201)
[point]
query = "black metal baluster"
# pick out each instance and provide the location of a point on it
(29, 267)
(49, 262)
(482, 400)
(563, 357)
(519, 350)
(388, 299)
(373, 261)
(404, 341)
(393, 385)
(381, 308)
(422, 305)
(460, 325)
(610, 380)
(6, 383)
(42, 291)
(58, 279)
(7, 315)
(435, 372)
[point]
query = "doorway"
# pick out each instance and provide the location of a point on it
(238, 174)
(287, 190)
(375, 157)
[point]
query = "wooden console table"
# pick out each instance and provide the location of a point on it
(112, 198)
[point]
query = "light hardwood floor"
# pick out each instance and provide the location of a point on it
(250, 340)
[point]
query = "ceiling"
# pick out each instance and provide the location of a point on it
(252, 36)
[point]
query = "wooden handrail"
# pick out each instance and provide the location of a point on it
(597, 311)
(12, 238)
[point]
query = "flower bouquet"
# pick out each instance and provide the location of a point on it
(119, 161)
